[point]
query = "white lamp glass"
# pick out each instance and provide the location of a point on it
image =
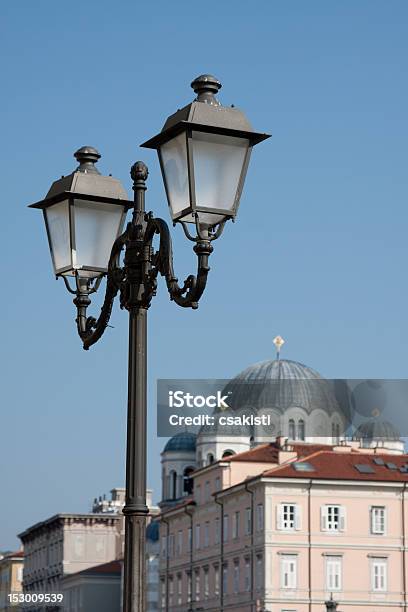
(175, 168)
(57, 220)
(97, 225)
(218, 163)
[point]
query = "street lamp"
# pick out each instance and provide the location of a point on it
(331, 605)
(204, 152)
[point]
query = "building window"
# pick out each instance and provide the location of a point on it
(333, 573)
(333, 518)
(235, 525)
(379, 575)
(335, 433)
(288, 516)
(216, 580)
(217, 483)
(197, 536)
(236, 577)
(179, 589)
(259, 517)
(217, 531)
(163, 546)
(301, 429)
(210, 458)
(187, 480)
(292, 430)
(173, 485)
(171, 545)
(378, 520)
(207, 492)
(189, 586)
(288, 571)
(180, 543)
(226, 521)
(247, 579)
(163, 593)
(198, 494)
(197, 584)
(259, 572)
(206, 534)
(189, 537)
(248, 521)
(225, 578)
(171, 590)
(206, 584)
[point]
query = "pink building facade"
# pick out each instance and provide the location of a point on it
(281, 527)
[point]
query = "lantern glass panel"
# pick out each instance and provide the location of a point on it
(57, 219)
(218, 164)
(175, 170)
(97, 225)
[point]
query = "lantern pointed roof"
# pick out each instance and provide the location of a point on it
(206, 113)
(85, 180)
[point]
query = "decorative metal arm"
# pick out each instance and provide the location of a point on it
(137, 278)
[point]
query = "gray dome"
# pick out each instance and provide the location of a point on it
(183, 441)
(377, 430)
(281, 384)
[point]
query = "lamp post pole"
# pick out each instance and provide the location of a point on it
(135, 509)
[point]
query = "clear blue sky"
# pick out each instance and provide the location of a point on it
(319, 253)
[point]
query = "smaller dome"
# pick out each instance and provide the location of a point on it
(183, 441)
(152, 531)
(377, 430)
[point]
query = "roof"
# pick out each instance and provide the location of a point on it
(56, 518)
(268, 453)
(183, 441)
(334, 465)
(187, 501)
(377, 430)
(19, 554)
(112, 568)
(281, 384)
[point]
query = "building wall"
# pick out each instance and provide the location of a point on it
(67, 544)
(262, 553)
(11, 580)
(152, 575)
(84, 593)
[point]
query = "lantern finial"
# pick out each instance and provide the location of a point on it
(87, 157)
(206, 86)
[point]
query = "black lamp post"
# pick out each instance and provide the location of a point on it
(204, 152)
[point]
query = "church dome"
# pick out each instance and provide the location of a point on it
(183, 441)
(377, 430)
(281, 384)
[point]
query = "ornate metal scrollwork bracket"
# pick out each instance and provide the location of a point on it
(136, 279)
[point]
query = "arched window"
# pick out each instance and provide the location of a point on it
(188, 482)
(292, 432)
(210, 458)
(173, 485)
(301, 430)
(335, 433)
(228, 453)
